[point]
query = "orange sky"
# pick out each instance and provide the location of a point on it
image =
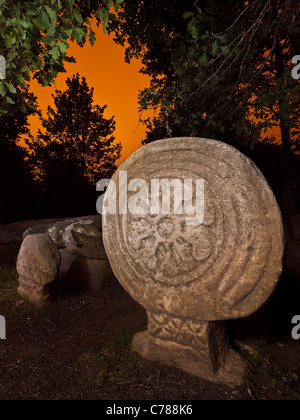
(116, 85)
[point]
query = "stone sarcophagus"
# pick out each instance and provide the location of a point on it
(193, 232)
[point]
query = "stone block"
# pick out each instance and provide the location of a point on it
(89, 275)
(84, 238)
(38, 266)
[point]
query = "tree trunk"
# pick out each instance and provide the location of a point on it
(290, 201)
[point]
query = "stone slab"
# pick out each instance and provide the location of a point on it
(84, 238)
(90, 274)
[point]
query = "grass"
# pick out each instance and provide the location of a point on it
(121, 341)
(112, 371)
(8, 277)
(8, 285)
(113, 366)
(94, 361)
(9, 298)
(278, 379)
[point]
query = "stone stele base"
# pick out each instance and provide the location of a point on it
(200, 348)
(35, 293)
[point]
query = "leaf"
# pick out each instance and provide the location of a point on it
(221, 38)
(63, 47)
(79, 34)
(203, 59)
(10, 41)
(78, 17)
(101, 13)
(92, 37)
(225, 50)
(24, 24)
(193, 30)
(118, 4)
(187, 15)
(26, 69)
(11, 88)
(55, 53)
(42, 22)
(2, 89)
(105, 24)
(51, 13)
(9, 100)
(215, 47)
(20, 79)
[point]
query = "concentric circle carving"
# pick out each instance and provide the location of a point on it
(224, 268)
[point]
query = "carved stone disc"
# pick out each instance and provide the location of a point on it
(224, 268)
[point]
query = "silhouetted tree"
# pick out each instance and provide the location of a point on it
(74, 151)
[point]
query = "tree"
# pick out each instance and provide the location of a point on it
(76, 134)
(218, 69)
(76, 148)
(206, 59)
(159, 128)
(35, 37)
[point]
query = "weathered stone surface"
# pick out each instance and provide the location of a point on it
(11, 237)
(38, 295)
(84, 238)
(37, 265)
(41, 227)
(197, 347)
(57, 230)
(225, 268)
(89, 274)
(13, 232)
(11, 240)
(67, 260)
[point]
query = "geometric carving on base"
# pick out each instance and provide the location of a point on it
(200, 348)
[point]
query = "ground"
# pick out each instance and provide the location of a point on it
(79, 348)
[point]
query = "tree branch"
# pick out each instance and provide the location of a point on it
(243, 37)
(271, 52)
